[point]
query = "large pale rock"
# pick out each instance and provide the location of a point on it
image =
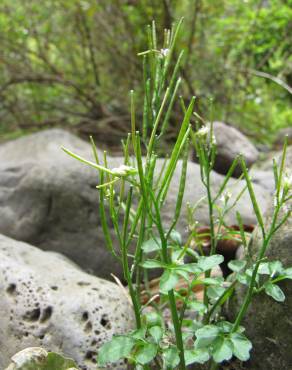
(268, 323)
(48, 302)
(49, 199)
(230, 143)
(262, 172)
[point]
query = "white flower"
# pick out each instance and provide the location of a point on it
(225, 197)
(123, 170)
(204, 130)
(287, 181)
(164, 52)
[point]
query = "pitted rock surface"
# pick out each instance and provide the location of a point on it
(48, 302)
(49, 199)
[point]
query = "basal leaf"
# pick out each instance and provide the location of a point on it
(241, 346)
(119, 347)
(146, 353)
(275, 292)
(206, 336)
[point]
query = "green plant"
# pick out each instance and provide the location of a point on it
(36, 358)
(147, 243)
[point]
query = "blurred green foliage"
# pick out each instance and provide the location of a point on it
(72, 62)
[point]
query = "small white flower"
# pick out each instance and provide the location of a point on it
(123, 170)
(287, 181)
(213, 139)
(203, 131)
(164, 52)
(225, 196)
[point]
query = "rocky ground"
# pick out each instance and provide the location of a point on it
(49, 217)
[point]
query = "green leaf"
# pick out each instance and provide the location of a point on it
(241, 346)
(264, 269)
(168, 280)
(170, 357)
(151, 245)
(197, 306)
(39, 359)
(199, 356)
(119, 347)
(146, 353)
(139, 333)
(206, 336)
(226, 326)
(152, 264)
(153, 319)
(275, 267)
(212, 281)
(176, 237)
(275, 292)
(183, 274)
(222, 349)
(214, 292)
(288, 273)
(156, 332)
(190, 267)
(207, 263)
(236, 265)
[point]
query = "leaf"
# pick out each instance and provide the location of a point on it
(275, 292)
(241, 346)
(146, 353)
(156, 332)
(152, 264)
(176, 237)
(139, 333)
(196, 356)
(183, 274)
(288, 273)
(243, 279)
(197, 306)
(236, 265)
(264, 269)
(275, 267)
(206, 335)
(151, 245)
(214, 292)
(170, 357)
(226, 326)
(213, 281)
(119, 347)
(222, 349)
(153, 319)
(168, 280)
(207, 263)
(190, 267)
(39, 359)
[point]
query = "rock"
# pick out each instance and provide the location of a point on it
(262, 172)
(268, 323)
(47, 302)
(231, 142)
(49, 199)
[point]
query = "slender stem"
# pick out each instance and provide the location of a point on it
(171, 297)
(212, 235)
(249, 294)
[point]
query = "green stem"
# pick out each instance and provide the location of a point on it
(249, 294)
(212, 237)
(171, 297)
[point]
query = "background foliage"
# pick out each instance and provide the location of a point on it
(72, 62)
